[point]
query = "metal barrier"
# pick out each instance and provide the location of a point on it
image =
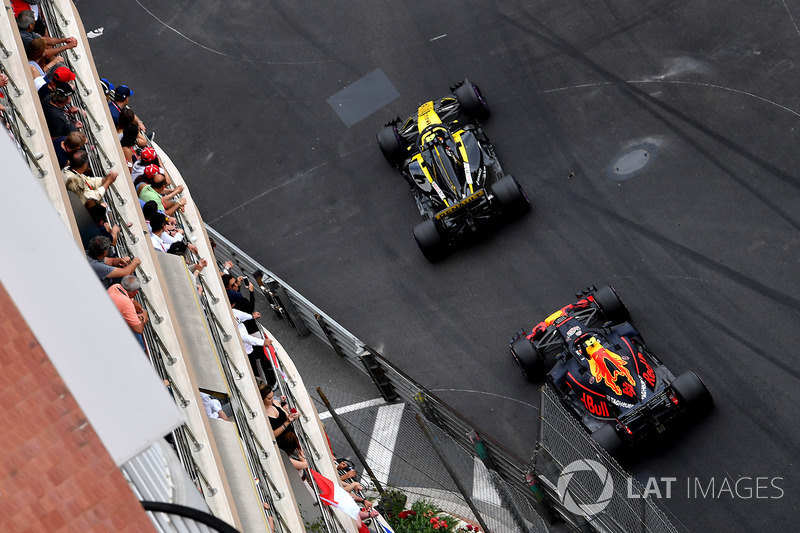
(409, 462)
(600, 497)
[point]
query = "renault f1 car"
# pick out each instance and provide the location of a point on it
(452, 169)
(600, 367)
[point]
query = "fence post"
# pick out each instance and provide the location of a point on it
(350, 441)
(508, 500)
(443, 459)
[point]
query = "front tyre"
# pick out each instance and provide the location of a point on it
(510, 196)
(391, 144)
(529, 360)
(471, 101)
(430, 241)
(611, 305)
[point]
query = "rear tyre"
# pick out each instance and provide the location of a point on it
(431, 243)
(608, 439)
(690, 389)
(529, 360)
(511, 197)
(471, 101)
(391, 144)
(611, 305)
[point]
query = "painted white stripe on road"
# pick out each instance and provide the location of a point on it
(384, 438)
(353, 407)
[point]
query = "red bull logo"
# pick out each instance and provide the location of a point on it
(606, 366)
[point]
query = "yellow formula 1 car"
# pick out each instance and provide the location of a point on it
(451, 166)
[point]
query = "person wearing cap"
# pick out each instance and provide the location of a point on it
(55, 114)
(58, 73)
(145, 179)
(148, 157)
(156, 191)
(26, 20)
(90, 190)
(122, 96)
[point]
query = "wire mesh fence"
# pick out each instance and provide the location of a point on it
(586, 484)
(402, 458)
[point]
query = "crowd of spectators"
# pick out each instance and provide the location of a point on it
(161, 204)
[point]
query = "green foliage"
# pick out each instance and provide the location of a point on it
(423, 517)
(393, 502)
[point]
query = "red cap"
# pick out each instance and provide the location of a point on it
(63, 74)
(149, 154)
(151, 170)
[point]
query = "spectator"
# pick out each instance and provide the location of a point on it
(145, 179)
(146, 158)
(37, 63)
(122, 96)
(213, 407)
(56, 74)
(148, 210)
(258, 360)
(237, 299)
(18, 6)
(25, 22)
(179, 248)
(123, 294)
(128, 141)
(291, 446)
(89, 190)
(108, 268)
(156, 192)
(64, 146)
(157, 222)
(126, 118)
(98, 214)
(54, 108)
(279, 420)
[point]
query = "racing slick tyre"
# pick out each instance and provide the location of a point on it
(529, 360)
(690, 389)
(610, 304)
(608, 439)
(391, 144)
(509, 194)
(431, 243)
(471, 101)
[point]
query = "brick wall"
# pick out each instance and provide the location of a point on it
(55, 474)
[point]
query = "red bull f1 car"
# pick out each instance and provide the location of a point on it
(452, 169)
(600, 367)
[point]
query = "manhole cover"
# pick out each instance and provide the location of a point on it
(632, 161)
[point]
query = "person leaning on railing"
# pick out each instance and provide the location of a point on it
(25, 22)
(123, 294)
(90, 190)
(157, 192)
(279, 419)
(56, 108)
(107, 268)
(64, 146)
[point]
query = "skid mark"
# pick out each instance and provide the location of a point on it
(204, 47)
(675, 82)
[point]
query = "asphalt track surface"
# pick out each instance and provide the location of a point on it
(702, 243)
